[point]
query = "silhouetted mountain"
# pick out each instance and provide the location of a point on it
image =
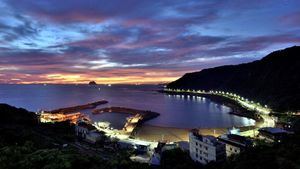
(273, 80)
(92, 83)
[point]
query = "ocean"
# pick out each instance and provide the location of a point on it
(175, 110)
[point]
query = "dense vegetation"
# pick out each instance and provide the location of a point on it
(284, 155)
(273, 80)
(177, 159)
(278, 156)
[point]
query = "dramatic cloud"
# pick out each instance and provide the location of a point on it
(137, 41)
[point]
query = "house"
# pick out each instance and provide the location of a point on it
(83, 128)
(125, 144)
(161, 147)
(156, 156)
(87, 131)
(169, 146)
(141, 149)
(234, 144)
(183, 145)
(272, 134)
(155, 159)
(205, 148)
(292, 126)
(93, 136)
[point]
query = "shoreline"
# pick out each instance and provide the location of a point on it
(174, 134)
(237, 109)
(169, 134)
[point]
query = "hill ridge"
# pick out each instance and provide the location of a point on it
(273, 80)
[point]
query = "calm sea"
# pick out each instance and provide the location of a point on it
(176, 111)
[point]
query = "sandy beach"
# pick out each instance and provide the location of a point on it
(169, 134)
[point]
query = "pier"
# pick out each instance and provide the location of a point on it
(78, 108)
(69, 113)
(145, 114)
(137, 118)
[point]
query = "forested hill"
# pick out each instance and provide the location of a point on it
(274, 80)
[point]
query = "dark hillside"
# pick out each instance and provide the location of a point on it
(273, 80)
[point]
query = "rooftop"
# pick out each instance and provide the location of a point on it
(86, 125)
(235, 140)
(273, 130)
(95, 134)
(204, 138)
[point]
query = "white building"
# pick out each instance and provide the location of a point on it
(93, 136)
(234, 143)
(204, 149)
(87, 131)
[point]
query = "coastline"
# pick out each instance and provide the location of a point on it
(173, 134)
(236, 108)
(147, 132)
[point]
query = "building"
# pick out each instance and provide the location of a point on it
(87, 132)
(156, 156)
(234, 144)
(83, 128)
(158, 151)
(283, 125)
(288, 126)
(272, 134)
(155, 159)
(204, 149)
(93, 136)
(184, 145)
(46, 117)
(169, 146)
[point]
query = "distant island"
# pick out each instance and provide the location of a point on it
(92, 83)
(273, 80)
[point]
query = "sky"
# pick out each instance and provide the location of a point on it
(137, 41)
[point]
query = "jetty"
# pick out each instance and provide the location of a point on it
(71, 114)
(137, 118)
(146, 114)
(78, 108)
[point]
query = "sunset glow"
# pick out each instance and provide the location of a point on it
(136, 41)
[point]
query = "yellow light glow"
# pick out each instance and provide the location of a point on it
(84, 79)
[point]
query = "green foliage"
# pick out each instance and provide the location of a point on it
(177, 159)
(60, 130)
(283, 155)
(27, 157)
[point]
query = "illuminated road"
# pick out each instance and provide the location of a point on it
(124, 136)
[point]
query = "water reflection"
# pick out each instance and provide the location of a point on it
(176, 110)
